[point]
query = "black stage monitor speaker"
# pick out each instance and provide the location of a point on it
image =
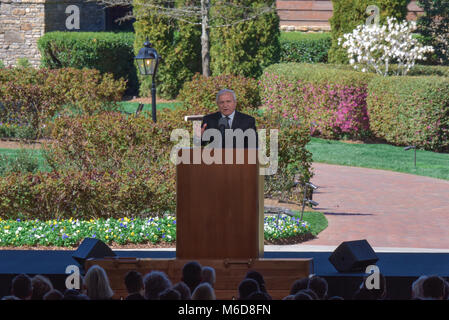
(353, 256)
(92, 248)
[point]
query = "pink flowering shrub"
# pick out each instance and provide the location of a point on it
(332, 106)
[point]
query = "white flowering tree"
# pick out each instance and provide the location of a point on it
(375, 47)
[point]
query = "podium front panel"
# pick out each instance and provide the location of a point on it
(218, 209)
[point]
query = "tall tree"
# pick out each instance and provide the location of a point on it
(207, 13)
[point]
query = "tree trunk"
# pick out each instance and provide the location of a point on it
(205, 55)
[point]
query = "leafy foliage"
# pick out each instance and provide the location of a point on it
(329, 102)
(31, 98)
(248, 47)
(307, 47)
(200, 93)
(411, 110)
(104, 51)
(176, 42)
(434, 27)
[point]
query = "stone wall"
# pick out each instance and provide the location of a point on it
(23, 22)
(21, 25)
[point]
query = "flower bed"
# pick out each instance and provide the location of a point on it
(70, 232)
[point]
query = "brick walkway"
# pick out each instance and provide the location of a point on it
(389, 209)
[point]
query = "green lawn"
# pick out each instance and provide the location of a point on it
(380, 156)
(317, 220)
(298, 36)
(28, 158)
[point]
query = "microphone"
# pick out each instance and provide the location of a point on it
(222, 124)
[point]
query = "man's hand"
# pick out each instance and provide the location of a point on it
(203, 129)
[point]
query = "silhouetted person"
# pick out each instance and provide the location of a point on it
(208, 275)
(184, 290)
(434, 288)
(22, 287)
(204, 291)
(53, 295)
(299, 285)
(75, 295)
(191, 274)
(96, 283)
(247, 287)
(301, 295)
(319, 286)
(41, 285)
(259, 295)
(154, 283)
(252, 274)
(170, 294)
(134, 285)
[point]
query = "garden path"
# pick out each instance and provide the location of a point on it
(389, 209)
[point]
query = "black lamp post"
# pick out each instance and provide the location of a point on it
(147, 61)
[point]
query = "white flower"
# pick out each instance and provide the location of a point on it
(374, 47)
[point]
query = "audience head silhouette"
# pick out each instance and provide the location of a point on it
(434, 288)
(170, 294)
(41, 285)
(154, 283)
(22, 287)
(134, 285)
(246, 287)
(203, 291)
(97, 285)
(319, 286)
(208, 275)
(184, 290)
(191, 274)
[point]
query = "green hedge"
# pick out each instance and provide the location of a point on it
(304, 47)
(105, 51)
(411, 110)
(199, 95)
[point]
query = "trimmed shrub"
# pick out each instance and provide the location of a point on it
(107, 52)
(245, 48)
(83, 194)
(434, 27)
(103, 165)
(304, 47)
(348, 14)
(31, 97)
(330, 102)
(410, 110)
(200, 93)
(294, 160)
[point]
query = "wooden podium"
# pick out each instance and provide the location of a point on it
(219, 210)
(219, 224)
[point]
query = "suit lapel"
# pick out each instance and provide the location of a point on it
(236, 120)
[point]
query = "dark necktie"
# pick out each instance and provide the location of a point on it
(227, 122)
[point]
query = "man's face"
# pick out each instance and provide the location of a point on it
(226, 103)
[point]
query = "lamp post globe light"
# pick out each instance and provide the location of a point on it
(147, 60)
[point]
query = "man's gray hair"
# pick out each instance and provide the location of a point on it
(225, 91)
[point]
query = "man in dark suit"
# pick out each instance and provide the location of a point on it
(229, 118)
